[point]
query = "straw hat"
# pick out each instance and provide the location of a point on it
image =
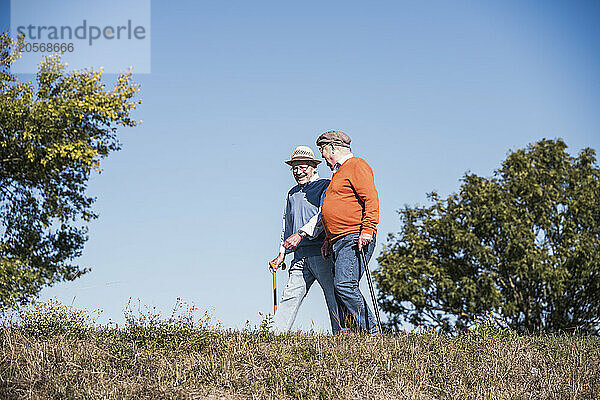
(303, 153)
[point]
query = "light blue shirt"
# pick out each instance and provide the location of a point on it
(302, 212)
(341, 161)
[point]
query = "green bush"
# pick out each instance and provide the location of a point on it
(50, 318)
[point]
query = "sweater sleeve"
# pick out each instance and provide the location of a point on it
(363, 182)
(286, 226)
(314, 226)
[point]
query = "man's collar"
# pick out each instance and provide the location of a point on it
(341, 161)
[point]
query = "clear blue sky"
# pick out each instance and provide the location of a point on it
(191, 207)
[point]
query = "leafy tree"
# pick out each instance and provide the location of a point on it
(53, 134)
(520, 249)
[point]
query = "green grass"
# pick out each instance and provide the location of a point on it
(55, 352)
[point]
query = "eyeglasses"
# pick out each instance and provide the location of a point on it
(300, 167)
(323, 146)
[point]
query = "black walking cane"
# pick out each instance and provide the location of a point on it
(364, 259)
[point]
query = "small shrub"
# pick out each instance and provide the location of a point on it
(51, 318)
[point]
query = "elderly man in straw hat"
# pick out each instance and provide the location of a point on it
(303, 234)
(350, 214)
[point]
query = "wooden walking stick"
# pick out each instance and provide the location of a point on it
(274, 270)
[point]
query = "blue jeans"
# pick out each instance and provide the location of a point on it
(349, 268)
(303, 273)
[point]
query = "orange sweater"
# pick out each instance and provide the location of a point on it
(351, 202)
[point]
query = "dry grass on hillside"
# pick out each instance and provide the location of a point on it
(177, 359)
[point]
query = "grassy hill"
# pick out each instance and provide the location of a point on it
(56, 352)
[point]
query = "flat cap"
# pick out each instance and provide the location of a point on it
(335, 138)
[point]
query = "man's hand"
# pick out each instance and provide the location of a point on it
(276, 262)
(326, 250)
(293, 241)
(363, 240)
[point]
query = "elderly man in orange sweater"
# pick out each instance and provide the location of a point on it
(350, 214)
